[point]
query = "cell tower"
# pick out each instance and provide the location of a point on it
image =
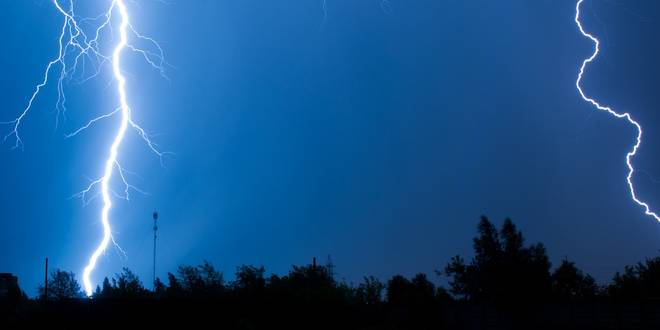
(155, 216)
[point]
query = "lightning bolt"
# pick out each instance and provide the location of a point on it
(114, 149)
(386, 6)
(324, 9)
(625, 115)
(76, 48)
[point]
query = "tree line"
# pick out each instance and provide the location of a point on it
(503, 269)
(506, 273)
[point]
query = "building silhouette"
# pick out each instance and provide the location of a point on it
(8, 285)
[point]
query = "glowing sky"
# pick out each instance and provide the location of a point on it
(377, 138)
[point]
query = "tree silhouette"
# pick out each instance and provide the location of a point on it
(191, 279)
(503, 269)
(397, 290)
(310, 276)
(107, 289)
(370, 292)
(416, 292)
(160, 289)
(638, 282)
(61, 286)
(174, 287)
(199, 280)
(310, 283)
(422, 291)
(213, 279)
(250, 279)
(570, 283)
(128, 284)
(505, 285)
(123, 285)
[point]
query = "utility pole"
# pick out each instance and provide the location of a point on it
(155, 216)
(46, 282)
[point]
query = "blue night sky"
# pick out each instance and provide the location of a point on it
(376, 136)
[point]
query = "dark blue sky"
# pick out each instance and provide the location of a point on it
(378, 138)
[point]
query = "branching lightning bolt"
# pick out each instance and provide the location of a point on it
(386, 6)
(627, 116)
(75, 49)
(324, 9)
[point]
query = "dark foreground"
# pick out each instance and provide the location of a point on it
(268, 314)
(506, 284)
